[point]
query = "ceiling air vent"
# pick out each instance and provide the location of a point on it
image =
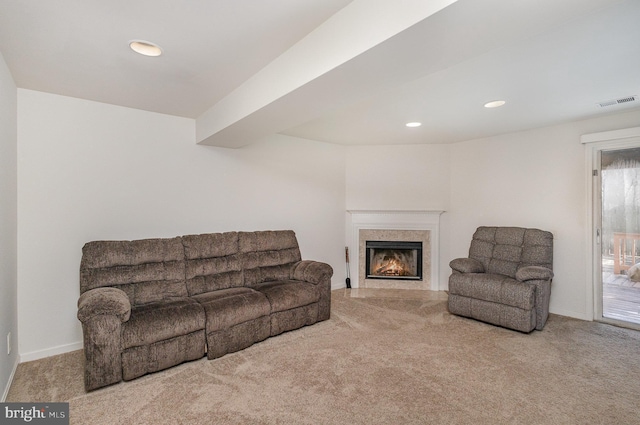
(617, 101)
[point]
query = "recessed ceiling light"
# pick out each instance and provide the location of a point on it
(145, 48)
(494, 104)
(413, 124)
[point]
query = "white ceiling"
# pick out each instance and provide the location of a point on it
(79, 48)
(551, 60)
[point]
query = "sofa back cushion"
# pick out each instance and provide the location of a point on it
(146, 270)
(268, 255)
(504, 250)
(212, 262)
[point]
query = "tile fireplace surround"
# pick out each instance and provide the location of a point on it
(415, 226)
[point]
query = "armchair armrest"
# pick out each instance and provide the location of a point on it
(541, 278)
(534, 273)
(104, 301)
(466, 265)
(311, 271)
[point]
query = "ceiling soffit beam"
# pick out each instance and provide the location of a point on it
(246, 114)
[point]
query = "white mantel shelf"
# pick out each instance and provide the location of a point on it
(417, 216)
(395, 212)
(395, 220)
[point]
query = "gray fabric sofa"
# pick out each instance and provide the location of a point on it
(506, 280)
(147, 305)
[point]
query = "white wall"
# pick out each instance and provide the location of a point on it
(533, 178)
(402, 177)
(8, 226)
(91, 171)
(405, 177)
(528, 179)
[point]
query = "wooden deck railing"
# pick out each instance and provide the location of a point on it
(623, 258)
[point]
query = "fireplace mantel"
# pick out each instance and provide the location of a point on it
(393, 220)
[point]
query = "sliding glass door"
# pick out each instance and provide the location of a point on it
(619, 234)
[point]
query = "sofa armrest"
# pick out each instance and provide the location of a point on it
(466, 265)
(311, 271)
(320, 275)
(534, 273)
(102, 312)
(104, 301)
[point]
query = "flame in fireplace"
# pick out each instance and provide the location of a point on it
(391, 264)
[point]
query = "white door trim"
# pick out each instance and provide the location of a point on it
(594, 143)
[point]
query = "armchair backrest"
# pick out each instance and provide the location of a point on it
(504, 250)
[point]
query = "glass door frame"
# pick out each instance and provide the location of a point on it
(594, 144)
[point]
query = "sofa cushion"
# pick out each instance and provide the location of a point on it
(162, 320)
(212, 262)
(148, 270)
(228, 307)
(288, 294)
(102, 254)
(221, 293)
(268, 255)
(494, 288)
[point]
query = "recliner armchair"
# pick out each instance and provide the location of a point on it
(506, 280)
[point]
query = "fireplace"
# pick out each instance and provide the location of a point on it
(394, 226)
(393, 260)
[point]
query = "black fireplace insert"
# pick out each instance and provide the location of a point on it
(393, 260)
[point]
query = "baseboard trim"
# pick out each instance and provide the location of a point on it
(9, 382)
(53, 351)
(572, 314)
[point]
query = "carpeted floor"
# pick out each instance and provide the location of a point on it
(385, 357)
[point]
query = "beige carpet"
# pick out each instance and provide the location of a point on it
(384, 358)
